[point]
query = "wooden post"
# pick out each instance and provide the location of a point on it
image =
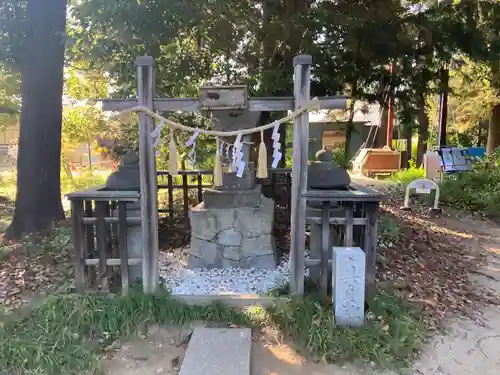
(370, 246)
(90, 253)
(325, 248)
(78, 243)
(102, 237)
(122, 246)
(349, 224)
(147, 164)
(302, 84)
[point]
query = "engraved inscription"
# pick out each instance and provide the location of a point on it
(348, 286)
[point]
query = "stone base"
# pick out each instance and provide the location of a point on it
(213, 198)
(232, 237)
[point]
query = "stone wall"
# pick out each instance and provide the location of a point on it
(232, 237)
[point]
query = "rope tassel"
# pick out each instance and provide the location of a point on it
(262, 161)
(173, 167)
(218, 166)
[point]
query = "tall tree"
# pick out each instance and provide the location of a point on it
(40, 59)
(253, 42)
(474, 99)
(482, 20)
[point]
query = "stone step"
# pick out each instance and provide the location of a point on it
(218, 351)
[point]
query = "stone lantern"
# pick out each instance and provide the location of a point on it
(127, 177)
(324, 173)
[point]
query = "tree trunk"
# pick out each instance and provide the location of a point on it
(482, 131)
(66, 167)
(380, 138)
(494, 130)
(350, 121)
(38, 198)
(89, 151)
(423, 131)
(408, 136)
(178, 147)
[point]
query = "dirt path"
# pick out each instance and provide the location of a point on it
(472, 346)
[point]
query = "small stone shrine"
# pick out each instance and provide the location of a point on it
(233, 225)
(127, 177)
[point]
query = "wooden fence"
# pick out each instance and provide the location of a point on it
(99, 220)
(190, 185)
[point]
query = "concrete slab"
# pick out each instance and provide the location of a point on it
(218, 351)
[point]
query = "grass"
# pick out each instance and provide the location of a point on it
(83, 181)
(391, 337)
(405, 176)
(68, 334)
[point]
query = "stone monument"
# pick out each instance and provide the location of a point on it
(348, 286)
(127, 177)
(233, 225)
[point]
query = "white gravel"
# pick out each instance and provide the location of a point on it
(180, 280)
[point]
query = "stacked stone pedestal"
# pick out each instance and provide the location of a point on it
(226, 235)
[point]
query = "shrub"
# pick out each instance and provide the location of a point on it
(477, 190)
(85, 180)
(341, 158)
(405, 176)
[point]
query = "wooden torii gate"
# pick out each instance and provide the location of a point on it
(149, 196)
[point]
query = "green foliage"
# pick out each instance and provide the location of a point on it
(12, 32)
(67, 334)
(476, 191)
(81, 124)
(473, 96)
(405, 176)
(84, 180)
(8, 185)
(352, 44)
(341, 158)
(82, 119)
(9, 96)
(253, 42)
(82, 83)
(59, 239)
